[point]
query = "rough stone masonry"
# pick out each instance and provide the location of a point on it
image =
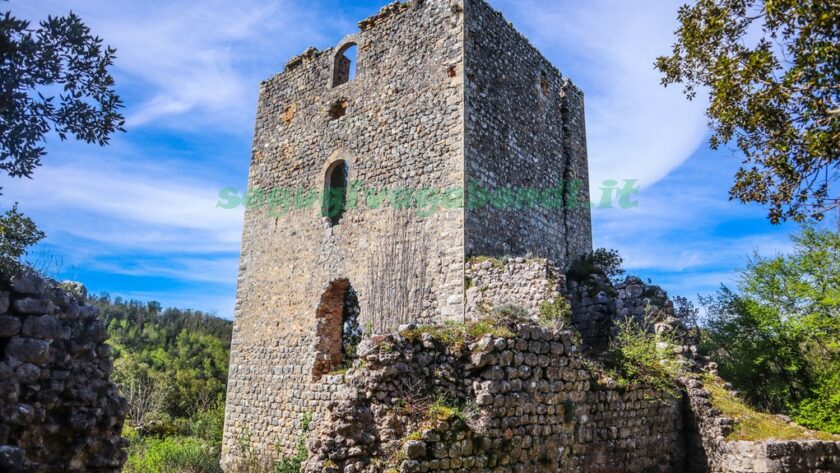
(446, 94)
(59, 412)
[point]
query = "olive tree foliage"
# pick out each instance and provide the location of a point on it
(772, 70)
(53, 79)
(59, 56)
(17, 233)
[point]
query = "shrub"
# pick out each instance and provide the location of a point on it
(209, 424)
(557, 313)
(172, 455)
(634, 356)
(509, 314)
(602, 261)
(17, 234)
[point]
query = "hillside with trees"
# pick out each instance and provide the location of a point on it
(171, 366)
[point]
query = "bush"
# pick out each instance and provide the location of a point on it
(602, 261)
(17, 234)
(172, 455)
(557, 313)
(821, 410)
(634, 356)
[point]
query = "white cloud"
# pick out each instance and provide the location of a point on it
(125, 206)
(207, 57)
(636, 128)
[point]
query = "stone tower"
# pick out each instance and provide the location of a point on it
(452, 139)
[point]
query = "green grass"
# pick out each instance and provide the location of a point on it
(172, 455)
(456, 335)
(753, 425)
(557, 313)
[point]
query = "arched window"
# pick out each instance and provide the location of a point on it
(345, 64)
(337, 328)
(335, 191)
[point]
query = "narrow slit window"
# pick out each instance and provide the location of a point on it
(346, 60)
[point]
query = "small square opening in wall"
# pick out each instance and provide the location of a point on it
(338, 109)
(545, 87)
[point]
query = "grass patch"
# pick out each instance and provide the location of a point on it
(496, 262)
(172, 454)
(754, 425)
(556, 314)
(456, 335)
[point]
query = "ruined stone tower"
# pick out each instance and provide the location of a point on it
(447, 101)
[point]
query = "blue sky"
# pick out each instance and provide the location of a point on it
(138, 218)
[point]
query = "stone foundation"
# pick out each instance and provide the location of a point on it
(526, 402)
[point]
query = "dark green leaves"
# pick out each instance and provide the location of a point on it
(772, 69)
(53, 78)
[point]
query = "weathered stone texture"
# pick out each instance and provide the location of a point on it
(526, 283)
(58, 410)
(524, 129)
(400, 124)
(597, 304)
(709, 451)
(535, 407)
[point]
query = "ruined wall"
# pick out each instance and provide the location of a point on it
(525, 401)
(521, 282)
(400, 124)
(524, 130)
(597, 304)
(709, 450)
(58, 410)
(402, 127)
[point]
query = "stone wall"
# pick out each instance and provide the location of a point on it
(58, 410)
(399, 124)
(401, 128)
(709, 450)
(525, 283)
(525, 129)
(526, 401)
(597, 304)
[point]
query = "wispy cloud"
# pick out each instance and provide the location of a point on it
(636, 128)
(123, 205)
(183, 56)
(138, 218)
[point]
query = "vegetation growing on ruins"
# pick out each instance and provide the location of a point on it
(458, 335)
(556, 313)
(637, 355)
(751, 424)
(603, 261)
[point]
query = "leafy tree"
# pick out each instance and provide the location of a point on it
(777, 338)
(174, 363)
(61, 54)
(772, 69)
(17, 233)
